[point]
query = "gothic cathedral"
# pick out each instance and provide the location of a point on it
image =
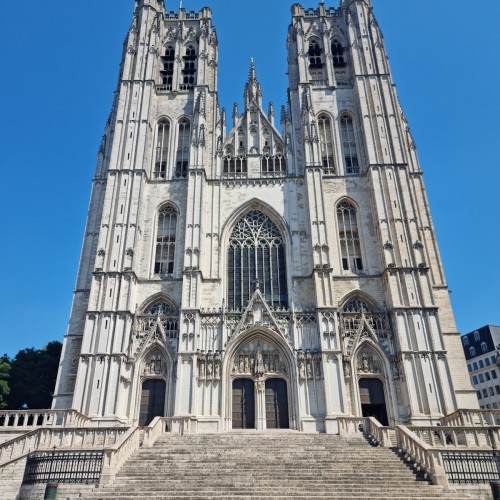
(277, 271)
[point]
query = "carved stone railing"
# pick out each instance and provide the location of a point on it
(377, 433)
(486, 438)
(116, 456)
(351, 425)
(472, 418)
(421, 454)
(88, 438)
(22, 420)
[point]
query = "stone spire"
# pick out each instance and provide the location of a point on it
(253, 90)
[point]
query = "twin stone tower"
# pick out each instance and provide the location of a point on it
(277, 271)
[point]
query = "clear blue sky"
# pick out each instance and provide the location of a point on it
(59, 65)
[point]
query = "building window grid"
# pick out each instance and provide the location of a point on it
(273, 166)
(349, 144)
(165, 240)
(256, 259)
(189, 70)
(338, 54)
(326, 144)
(162, 140)
(350, 246)
(183, 146)
(167, 71)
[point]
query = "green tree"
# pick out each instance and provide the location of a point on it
(4, 381)
(33, 377)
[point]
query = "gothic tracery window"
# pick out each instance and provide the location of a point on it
(256, 259)
(165, 240)
(315, 60)
(337, 54)
(167, 70)
(183, 146)
(326, 143)
(349, 144)
(350, 247)
(162, 139)
(189, 70)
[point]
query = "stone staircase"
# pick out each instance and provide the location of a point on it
(272, 465)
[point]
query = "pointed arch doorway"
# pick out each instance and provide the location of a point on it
(152, 401)
(372, 396)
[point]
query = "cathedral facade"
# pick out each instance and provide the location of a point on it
(277, 271)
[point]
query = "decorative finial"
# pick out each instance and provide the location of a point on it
(252, 77)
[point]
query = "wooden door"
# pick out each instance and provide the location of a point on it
(276, 404)
(243, 404)
(152, 401)
(371, 392)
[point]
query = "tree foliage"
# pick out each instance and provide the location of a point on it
(4, 381)
(33, 377)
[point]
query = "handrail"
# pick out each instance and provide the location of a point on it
(377, 432)
(68, 438)
(422, 454)
(117, 455)
(31, 419)
(465, 417)
(351, 425)
(459, 437)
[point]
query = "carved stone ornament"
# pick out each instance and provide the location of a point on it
(155, 363)
(309, 365)
(368, 362)
(209, 366)
(258, 358)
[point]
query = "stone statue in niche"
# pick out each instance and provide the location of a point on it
(366, 364)
(259, 367)
(201, 371)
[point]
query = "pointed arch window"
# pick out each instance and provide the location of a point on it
(350, 247)
(165, 240)
(314, 52)
(183, 146)
(256, 259)
(167, 70)
(189, 69)
(326, 143)
(337, 54)
(161, 154)
(349, 144)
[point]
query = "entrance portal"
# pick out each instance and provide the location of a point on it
(371, 391)
(276, 404)
(152, 401)
(243, 404)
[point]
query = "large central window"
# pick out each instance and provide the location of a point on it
(256, 259)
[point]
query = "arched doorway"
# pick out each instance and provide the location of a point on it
(371, 392)
(243, 404)
(276, 404)
(152, 400)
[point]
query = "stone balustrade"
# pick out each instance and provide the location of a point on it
(351, 425)
(31, 419)
(77, 439)
(487, 438)
(421, 454)
(472, 418)
(116, 456)
(377, 432)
